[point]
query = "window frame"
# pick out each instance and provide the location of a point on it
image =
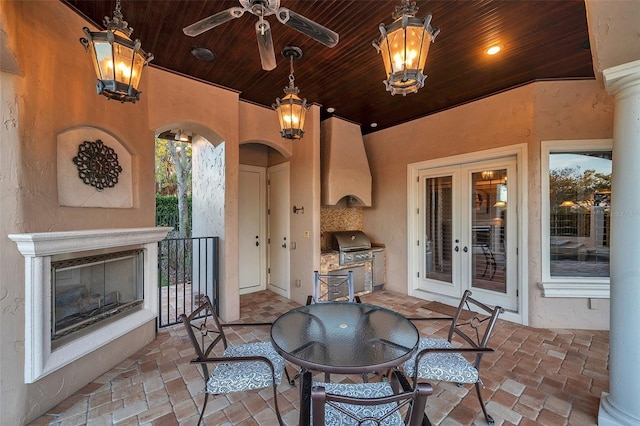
(575, 287)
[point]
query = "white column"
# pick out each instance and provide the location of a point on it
(621, 406)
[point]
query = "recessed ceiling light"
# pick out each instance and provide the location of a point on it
(374, 124)
(331, 110)
(493, 50)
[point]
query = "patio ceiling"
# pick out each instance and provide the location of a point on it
(542, 40)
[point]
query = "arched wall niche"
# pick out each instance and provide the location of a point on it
(286, 152)
(262, 154)
(194, 128)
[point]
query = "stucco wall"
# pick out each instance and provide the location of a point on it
(305, 192)
(563, 111)
(529, 114)
(55, 92)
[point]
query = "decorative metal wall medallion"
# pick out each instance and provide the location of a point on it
(97, 164)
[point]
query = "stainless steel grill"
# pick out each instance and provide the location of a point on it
(353, 246)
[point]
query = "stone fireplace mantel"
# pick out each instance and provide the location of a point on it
(37, 249)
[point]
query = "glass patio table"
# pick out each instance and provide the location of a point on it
(341, 338)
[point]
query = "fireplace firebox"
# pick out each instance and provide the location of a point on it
(86, 290)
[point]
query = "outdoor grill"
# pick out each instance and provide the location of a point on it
(353, 246)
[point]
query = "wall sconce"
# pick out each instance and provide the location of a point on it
(291, 109)
(404, 46)
(118, 61)
(298, 209)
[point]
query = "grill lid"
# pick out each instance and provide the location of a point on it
(350, 241)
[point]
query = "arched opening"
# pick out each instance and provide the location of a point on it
(190, 196)
(263, 235)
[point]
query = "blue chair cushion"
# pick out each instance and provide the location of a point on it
(238, 376)
(448, 367)
(359, 390)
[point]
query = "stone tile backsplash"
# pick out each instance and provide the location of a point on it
(338, 219)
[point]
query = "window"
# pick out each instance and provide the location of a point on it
(576, 213)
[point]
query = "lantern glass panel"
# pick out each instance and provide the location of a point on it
(290, 112)
(123, 57)
(104, 60)
(422, 42)
(414, 43)
(279, 112)
(397, 42)
(301, 117)
(387, 51)
(138, 63)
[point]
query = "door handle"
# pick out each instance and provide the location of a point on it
(284, 245)
(257, 244)
(465, 249)
(457, 248)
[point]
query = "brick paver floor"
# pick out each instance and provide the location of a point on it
(535, 377)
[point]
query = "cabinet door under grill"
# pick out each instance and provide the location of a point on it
(358, 276)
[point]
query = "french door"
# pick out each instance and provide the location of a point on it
(467, 226)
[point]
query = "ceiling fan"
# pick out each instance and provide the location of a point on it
(262, 8)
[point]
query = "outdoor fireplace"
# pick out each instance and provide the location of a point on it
(84, 290)
(89, 289)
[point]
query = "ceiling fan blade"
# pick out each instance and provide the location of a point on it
(265, 45)
(308, 27)
(213, 21)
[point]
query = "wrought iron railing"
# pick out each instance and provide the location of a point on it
(188, 268)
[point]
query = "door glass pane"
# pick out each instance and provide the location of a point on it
(488, 229)
(580, 209)
(438, 228)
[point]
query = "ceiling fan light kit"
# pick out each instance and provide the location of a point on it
(404, 46)
(291, 110)
(118, 61)
(262, 9)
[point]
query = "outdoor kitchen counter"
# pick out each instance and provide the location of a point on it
(330, 261)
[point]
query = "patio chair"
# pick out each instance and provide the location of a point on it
(240, 367)
(332, 288)
(368, 404)
(438, 359)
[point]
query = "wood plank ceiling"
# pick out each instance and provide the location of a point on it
(542, 40)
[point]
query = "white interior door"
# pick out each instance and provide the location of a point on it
(279, 241)
(467, 221)
(252, 206)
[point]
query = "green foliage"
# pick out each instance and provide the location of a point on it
(584, 188)
(167, 171)
(173, 177)
(167, 210)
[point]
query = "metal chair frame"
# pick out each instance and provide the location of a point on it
(330, 288)
(198, 322)
(415, 401)
(473, 329)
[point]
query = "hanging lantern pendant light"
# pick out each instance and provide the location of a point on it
(404, 46)
(291, 109)
(118, 61)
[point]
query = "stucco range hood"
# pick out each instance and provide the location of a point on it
(345, 168)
